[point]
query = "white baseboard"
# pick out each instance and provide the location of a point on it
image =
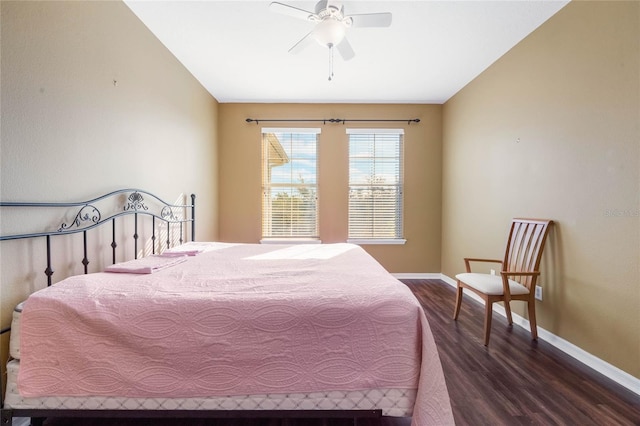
(418, 276)
(612, 372)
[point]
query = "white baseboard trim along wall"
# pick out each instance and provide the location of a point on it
(612, 372)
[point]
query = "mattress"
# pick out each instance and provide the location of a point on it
(392, 402)
(14, 337)
(419, 390)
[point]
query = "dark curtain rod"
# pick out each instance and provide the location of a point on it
(330, 120)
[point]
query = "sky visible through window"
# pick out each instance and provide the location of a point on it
(369, 160)
(373, 159)
(302, 166)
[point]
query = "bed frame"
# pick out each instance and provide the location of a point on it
(178, 220)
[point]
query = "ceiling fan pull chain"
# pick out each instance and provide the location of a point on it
(330, 62)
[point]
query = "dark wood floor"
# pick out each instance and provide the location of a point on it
(513, 381)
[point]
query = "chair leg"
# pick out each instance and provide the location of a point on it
(532, 319)
(507, 309)
(488, 311)
(456, 310)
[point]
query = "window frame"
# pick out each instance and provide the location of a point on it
(267, 186)
(398, 238)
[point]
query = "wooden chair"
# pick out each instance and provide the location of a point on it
(519, 272)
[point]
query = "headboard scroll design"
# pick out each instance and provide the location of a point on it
(167, 213)
(87, 213)
(136, 202)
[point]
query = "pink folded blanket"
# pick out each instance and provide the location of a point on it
(146, 265)
(194, 248)
(179, 253)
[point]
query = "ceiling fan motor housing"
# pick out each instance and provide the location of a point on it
(333, 10)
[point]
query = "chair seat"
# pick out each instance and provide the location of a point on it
(490, 284)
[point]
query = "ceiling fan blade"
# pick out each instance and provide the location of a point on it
(285, 9)
(302, 44)
(345, 49)
(371, 20)
(337, 5)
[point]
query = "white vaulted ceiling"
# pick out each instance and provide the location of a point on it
(238, 50)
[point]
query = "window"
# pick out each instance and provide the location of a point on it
(289, 184)
(375, 185)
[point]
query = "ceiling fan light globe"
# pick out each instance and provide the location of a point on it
(329, 32)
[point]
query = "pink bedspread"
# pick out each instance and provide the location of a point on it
(244, 319)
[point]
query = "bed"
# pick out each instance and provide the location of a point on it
(213, 329)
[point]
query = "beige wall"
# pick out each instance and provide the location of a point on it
(69, 133)
(240, 175)
(551, 130)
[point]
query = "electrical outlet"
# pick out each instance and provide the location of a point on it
(493, 271)
(538, 293)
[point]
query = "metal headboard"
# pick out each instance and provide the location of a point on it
(89, 216)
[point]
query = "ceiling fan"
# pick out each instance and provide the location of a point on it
(331, 26)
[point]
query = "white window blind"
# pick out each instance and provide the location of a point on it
(375, 184)
(289, 183)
